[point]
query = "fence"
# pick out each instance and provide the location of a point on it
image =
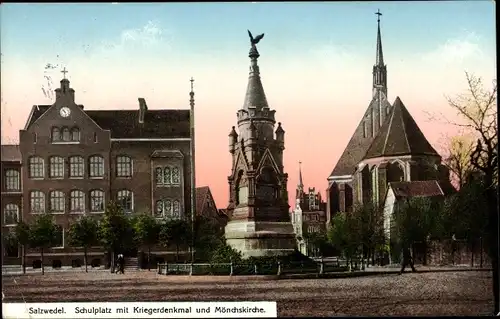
(234, 269)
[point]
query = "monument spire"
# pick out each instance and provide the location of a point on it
(255, 97)
(301, 183)
(379, 69)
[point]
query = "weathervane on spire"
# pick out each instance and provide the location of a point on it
(378, 15)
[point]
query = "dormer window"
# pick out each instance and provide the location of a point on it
(65, 134)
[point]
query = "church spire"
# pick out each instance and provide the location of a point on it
(379, 69)
(255, 97)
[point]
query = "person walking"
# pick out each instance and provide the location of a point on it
(121, 264)
(407, 260)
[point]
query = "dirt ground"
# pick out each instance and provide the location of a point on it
(431, 294)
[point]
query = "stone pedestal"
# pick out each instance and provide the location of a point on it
(259, 238)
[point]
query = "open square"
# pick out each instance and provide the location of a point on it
(430, 293)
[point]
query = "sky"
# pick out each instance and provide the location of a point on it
(316, 63)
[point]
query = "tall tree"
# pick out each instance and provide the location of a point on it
(458, 159)
(477, 109)
(22, 233)
(344, 235)
(207, 237)
(147, 231)
(175, 232)
(114, 231)
(84, 233)
(43, 234)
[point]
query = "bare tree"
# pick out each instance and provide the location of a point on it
(478, 110)
(458, 159)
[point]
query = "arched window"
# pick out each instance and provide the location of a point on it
(56, 134)
(96, 166)
(123, 166)
(57, 202)
(96, 201)
(167, 176)
(159, 209)
(37, 202)
(176, 209)
(77, 201)
(56, 167)
(36, 167)
(125, 199)
(167, 208)
(241, 189)
(12, 180)
(76, 167)
(176, 176)
(10, 214)
(159, 176)
(66, 134)
(75, 134)
(375, 193)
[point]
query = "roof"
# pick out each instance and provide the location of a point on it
(358, 145)
(399, 135)
(125, 123)
(11, 153)
(201, 197)
(416, 189)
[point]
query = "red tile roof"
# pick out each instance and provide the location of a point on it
(417, 189)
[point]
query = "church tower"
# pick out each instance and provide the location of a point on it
(258, 203)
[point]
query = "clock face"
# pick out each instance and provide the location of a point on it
(65, 111)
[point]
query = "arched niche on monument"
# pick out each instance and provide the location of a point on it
(241, 188)
(395, 172)
(267, 186)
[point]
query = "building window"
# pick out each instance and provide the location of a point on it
(56, 167)
(77, 201)
(96, 201)
(56, 202)
(76, 167)
(59, 237)
(12, 180)
(159, 209)
(36, 169)
(75, 134)
(176, 209)
(96, 166)
(175, 176)
(56, 134)
(125, 199)
(10, 214)
(37, 202)
(167, 208)
(123, 166)
(167, 176)
(159, 176)
(66, 134)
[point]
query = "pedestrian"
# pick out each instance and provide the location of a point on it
(121, 264)
(407, 260)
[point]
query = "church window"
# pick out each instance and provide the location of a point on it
(36, 167)
(66, 134)
(167, 208)
(126, 200)
(123, 166)
(10, 214)
(96, 166)
(159, 176)
(75, 134)
(159, 209)
(375, 185)
(176, 209)
(167, 176)
(175, 176)
(56, 167)
(56, 134)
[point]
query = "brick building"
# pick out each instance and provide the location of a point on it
(308, 216)
(387, 146)
(76, 160)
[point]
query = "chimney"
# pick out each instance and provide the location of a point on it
(142, 109)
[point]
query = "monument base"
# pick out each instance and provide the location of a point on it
(259, 239)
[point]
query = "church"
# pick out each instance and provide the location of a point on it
(387, 146)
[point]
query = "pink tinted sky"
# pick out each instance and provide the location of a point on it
(319, 93)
